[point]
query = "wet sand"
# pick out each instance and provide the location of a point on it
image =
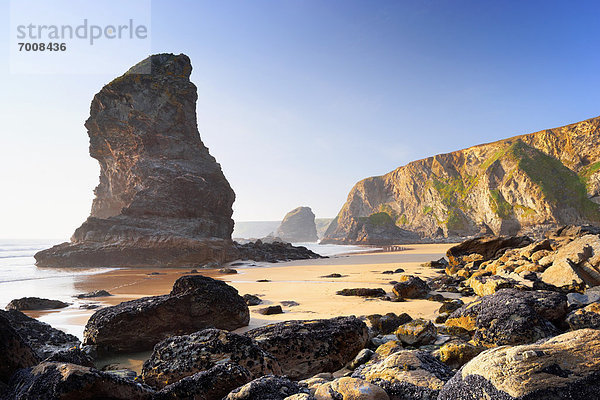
(298, 281)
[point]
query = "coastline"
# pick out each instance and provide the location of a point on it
(299, 281)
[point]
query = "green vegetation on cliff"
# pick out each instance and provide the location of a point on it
(380, 219)
(500, 206)
(559, 184)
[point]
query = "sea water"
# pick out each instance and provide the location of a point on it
(19, 277)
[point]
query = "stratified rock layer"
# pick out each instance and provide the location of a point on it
(162, 199)
(298, 226)
(546, 178)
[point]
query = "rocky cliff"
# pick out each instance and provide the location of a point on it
(162, 198)
(298, 226)
(546, 178)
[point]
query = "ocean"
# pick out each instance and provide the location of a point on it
(19, 277)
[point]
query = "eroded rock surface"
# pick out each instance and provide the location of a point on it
(196, 302)
(564, 367)
(35, 303)
(51, 380)
(15, 353)
(266, 388)
(180, 356)
(407, 375)
(213, 384)
(305, 348)
(511, 317)
(41, 337)
(162, 199)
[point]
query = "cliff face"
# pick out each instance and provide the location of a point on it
(162, 198)
(298, 226)
(544, 178)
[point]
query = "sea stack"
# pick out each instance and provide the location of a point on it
(298, 226)
(162, 199)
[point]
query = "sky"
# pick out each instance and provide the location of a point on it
(299, 100)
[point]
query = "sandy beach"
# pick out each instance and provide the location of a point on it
(298, 281)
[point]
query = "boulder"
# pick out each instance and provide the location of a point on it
(457, 353)
(41, 337)
(576, 264)
(442, 263)
(95, 293)
(388, 348)
(362, 292)
(180, 356)
(350, 389)
(251, 299)
(511, 317)
(35, 303)
(484, 248)
(266, 388)
(451, 305)
(52, 380)
(388, 323)
(212, 384)
(486, 285)
(270, 310)
(411, 287)
(298, 226)
(587, 317)
(407, 375)
(15, 353)
(361, 358)
(305, 348)
(417, 332)
(73, 355)
(581, 300)
(563, 367)
(196, 302)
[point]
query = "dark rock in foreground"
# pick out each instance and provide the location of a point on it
(563, 367)
(511, 317)
(213, 384)
(35, 303)
(196, 302)
(50, 380)
(15, 353)
(181, 356)
(306, 348)
(266, 388)
(41, 337)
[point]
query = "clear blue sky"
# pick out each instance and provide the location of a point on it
(298, 100)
